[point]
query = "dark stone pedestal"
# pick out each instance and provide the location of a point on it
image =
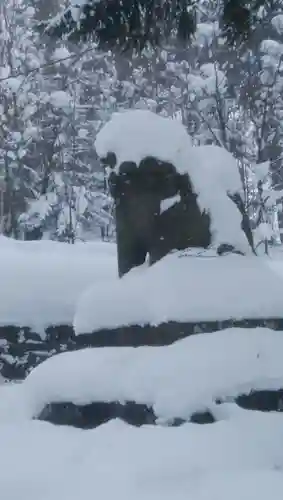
(21, 349)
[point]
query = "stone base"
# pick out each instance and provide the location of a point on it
(21, 349)
(98, 413)
(92, 415)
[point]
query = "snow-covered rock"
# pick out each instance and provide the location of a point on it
(184, 288)
(175, 381)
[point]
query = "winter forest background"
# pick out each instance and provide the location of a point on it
(55, 96)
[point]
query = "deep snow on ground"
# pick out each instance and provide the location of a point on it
(44, 279)
(238, 457)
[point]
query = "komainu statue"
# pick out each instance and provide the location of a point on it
(157, 211)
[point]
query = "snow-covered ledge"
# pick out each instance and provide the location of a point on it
(48, 285)
(176, 381)
(184, 287)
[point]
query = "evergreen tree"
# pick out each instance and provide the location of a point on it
(135, 23)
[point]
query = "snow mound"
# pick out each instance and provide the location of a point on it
(235, 459)
(136, 134)
(214, 173)
(183, 289)
(176, 381)
(44, 279)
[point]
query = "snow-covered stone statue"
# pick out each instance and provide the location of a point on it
(169, 195)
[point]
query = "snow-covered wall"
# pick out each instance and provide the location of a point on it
(46, 286)
(176, 381)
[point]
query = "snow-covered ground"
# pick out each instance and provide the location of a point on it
(42, 280)
(238, 457)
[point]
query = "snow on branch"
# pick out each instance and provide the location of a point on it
(5, 76)
(134, 24)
